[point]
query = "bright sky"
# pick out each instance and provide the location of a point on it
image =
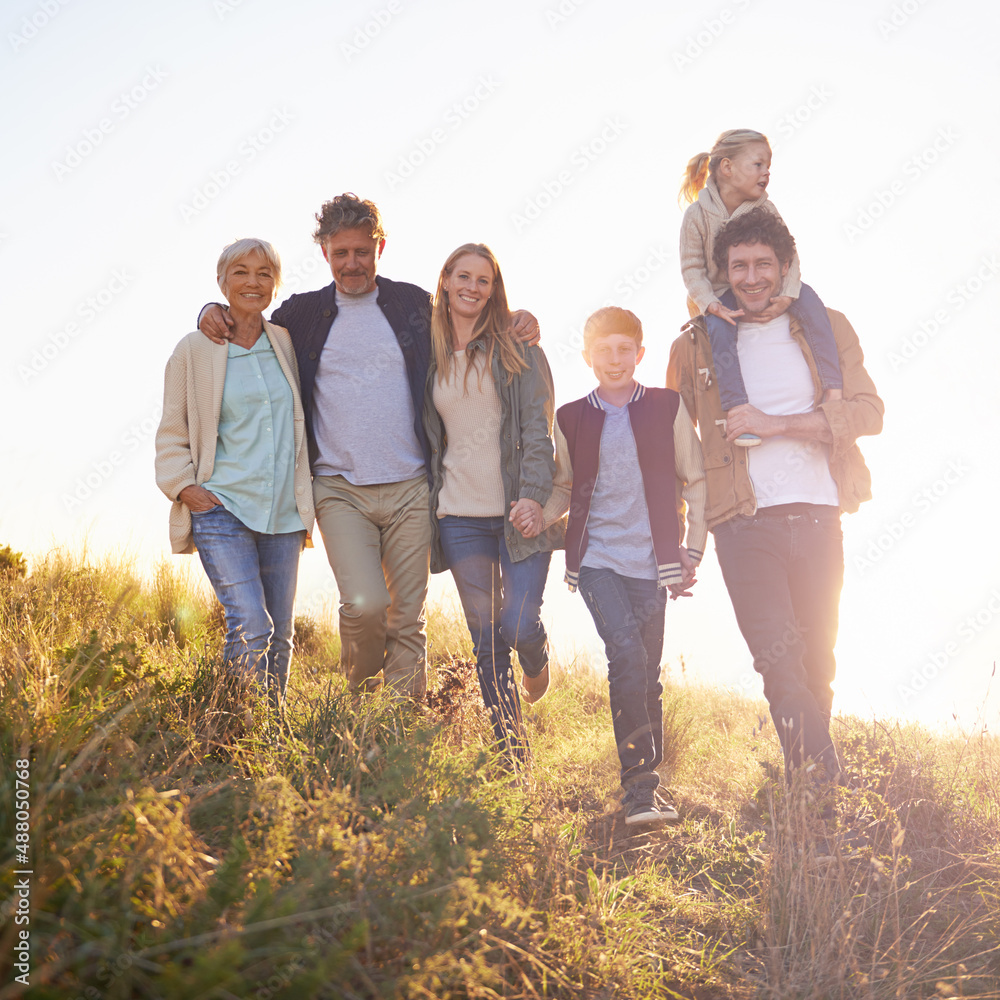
(141, 138)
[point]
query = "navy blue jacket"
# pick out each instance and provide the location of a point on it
(309, 316)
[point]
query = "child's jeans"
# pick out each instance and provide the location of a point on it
(808, 310)
(629, 615)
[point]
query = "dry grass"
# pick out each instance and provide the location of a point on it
(187, 843)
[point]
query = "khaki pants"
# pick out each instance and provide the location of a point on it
(377, 539)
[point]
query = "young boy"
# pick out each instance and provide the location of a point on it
(632, 450)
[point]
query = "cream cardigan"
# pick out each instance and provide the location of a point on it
(189, 429)
(699, 227)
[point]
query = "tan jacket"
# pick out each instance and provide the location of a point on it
(189, 429)
(730, 490)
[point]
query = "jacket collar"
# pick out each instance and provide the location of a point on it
(597, 402)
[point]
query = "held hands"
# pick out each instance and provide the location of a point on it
(525, 327)
(688, 580)
(729, 315)
(198, 499)
(216, 324)
(526, 516)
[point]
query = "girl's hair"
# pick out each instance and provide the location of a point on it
(492, 328)
(704, 165)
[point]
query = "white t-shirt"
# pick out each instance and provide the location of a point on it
(778, 381)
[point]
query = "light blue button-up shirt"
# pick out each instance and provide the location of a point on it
(254, 471)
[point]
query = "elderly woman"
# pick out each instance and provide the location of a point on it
(488, 415)
(231, 454)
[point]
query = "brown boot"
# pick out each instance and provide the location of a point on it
(535, 687)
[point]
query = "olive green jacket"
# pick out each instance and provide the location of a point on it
(527, 460)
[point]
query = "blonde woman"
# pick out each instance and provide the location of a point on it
(488, 414)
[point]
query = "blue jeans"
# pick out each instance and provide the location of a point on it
(254, 576)
(784, 570)
(629, 615)
(809, 310)
(502, 600)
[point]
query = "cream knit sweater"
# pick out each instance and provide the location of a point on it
(699, 227)
(188, 431)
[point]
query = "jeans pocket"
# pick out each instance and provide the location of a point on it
(202, 513)
(593, 608)
(829, 526)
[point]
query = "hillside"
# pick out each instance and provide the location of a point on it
(183, 844)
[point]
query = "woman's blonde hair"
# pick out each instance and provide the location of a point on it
(493, 328)
(704, 165)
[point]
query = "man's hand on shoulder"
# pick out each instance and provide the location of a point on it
(525, 327)
(216, 323)
(747, 419)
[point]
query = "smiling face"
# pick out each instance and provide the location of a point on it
(469, 286)
(749, 171)
(248, 284)
(755, 276)
(353, 258)
(613, 358)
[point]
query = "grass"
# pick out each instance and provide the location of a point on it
(185, 844)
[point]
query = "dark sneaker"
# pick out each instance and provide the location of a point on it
(666, 806)
(641, 808)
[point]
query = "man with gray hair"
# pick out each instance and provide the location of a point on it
(363, 347)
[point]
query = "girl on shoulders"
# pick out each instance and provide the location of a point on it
(719, 186)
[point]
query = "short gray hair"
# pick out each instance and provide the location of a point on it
(244, 248)
(348, 211)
